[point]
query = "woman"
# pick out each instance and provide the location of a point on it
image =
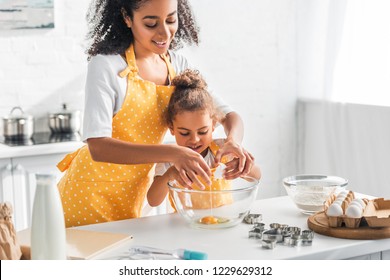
(127, 92)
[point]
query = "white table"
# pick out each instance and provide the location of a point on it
(171, 232)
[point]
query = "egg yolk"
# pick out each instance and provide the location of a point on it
(209, 220)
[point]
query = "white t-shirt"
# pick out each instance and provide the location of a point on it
(105, 92)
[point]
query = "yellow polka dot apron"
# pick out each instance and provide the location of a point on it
(207, 199)
(96, 192)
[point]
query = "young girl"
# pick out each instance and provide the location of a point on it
(191, 118)
(130, 69)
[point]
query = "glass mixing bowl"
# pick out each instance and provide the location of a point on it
(309, 192)
(222, 205)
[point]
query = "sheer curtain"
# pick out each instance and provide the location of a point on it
(344, 50)
(362, 69)
(343, 85)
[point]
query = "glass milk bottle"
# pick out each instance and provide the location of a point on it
(48, 235)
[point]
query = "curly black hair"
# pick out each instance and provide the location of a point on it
(190, 95)
(108, 33)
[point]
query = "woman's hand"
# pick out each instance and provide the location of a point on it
(241, 163)
(190, 167)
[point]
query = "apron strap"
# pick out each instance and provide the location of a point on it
(131, 65)
(67, 160)
(171, 71)
(133, 69)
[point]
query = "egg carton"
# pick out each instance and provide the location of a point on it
(376, 213)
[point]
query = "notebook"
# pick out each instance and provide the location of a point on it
(81, 244)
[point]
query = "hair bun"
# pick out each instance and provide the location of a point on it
(189, 79)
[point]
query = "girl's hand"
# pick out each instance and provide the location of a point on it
(190, 166)
(242, 161)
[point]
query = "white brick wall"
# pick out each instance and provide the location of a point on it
(247, 54)
(40, 69)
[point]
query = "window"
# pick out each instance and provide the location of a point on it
(362, 65)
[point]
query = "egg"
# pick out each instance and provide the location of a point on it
(339, 201)
(355, 203)
(354, 211)
(340, 197)
(359, 201)
(342, 194)
(334, 210)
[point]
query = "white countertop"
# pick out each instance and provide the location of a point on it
(36, 150)
(171, 232)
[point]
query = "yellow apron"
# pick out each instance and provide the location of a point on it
(206, 200)
(96, 192)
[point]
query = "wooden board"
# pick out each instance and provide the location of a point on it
(319, 224)
(81, 244)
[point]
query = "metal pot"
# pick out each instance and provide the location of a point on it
(18, 126)
(65, 121)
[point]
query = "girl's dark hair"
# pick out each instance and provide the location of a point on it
(190, 94)
(109, 34)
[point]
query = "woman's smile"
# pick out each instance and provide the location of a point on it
(160, 44)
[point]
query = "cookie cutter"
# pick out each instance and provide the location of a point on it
(277, 226)
(308, 234)
(293, 230)
(302, 239)
(257, 231)
(260, 226)
(253, 218)
(290, 231)
(307, 237)
(274, 234)
(279, 233)
(268, 244)
(295, 241)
